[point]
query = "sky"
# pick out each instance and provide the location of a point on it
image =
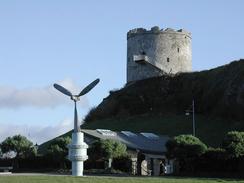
(74, 42)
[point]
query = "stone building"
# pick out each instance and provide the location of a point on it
(151, 53)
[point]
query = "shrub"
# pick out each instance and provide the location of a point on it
(58, 150)
(107, 149)
(185, 149)
(185, 146)
(213, 160)
(233, 143)
(122, 163)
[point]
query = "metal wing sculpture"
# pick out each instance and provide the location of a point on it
(83, 92)
(62, 90)
(89, 87)
(76, 98)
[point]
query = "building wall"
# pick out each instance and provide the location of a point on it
(168, 51)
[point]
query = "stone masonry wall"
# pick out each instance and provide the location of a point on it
(168, 51)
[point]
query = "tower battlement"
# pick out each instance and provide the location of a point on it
(151, 53)
(156, 30)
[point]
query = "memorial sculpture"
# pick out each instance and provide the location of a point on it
(77, 148)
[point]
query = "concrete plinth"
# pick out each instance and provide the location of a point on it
(77, 153)
(77, 168)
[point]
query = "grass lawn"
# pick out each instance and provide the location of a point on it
(69, 179)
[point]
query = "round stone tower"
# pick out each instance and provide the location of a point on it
(151, 53)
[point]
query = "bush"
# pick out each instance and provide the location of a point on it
(213, 160)
(185, 146)
(196, 160)
(41, 163)
(58, 150)
(94, 164)
(107, 149)
(185, 149)
(122, 163)
(233, 143)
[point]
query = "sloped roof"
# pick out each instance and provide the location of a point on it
(145, 142)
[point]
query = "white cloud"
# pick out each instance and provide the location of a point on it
(37, 134)
(11, 97)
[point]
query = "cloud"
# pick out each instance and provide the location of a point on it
(11, 97)
(37, 134)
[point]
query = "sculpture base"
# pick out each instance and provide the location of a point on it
(77, 168)
(77, 153)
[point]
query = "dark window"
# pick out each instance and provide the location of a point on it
(178, 49)
(168, 59)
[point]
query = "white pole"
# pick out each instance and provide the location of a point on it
(77, 153)
(77, 148)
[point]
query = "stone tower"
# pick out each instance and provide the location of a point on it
(154, 52)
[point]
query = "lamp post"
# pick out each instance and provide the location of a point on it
(193, 117)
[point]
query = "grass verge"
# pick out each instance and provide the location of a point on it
(69, 179)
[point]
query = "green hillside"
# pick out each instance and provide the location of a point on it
(217, 93)
(209, 130)
(158, 104)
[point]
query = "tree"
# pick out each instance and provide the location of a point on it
(184, 146)
(113, 149)
(233, 143)
(107, 149)
(19, 144)
(185, 149)
(58, 149)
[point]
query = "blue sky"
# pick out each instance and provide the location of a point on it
(75, 42)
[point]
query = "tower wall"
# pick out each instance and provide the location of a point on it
(167, 51)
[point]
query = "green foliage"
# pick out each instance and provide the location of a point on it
(107, 149)
(215, 153)
(233, 143)
(58, 148)
(122, 163)
(216, 162)
(185, 146)
(20, 145)
(92, 114)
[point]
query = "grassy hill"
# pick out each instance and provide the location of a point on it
(217, 93)
(209, 130)
(158, 104)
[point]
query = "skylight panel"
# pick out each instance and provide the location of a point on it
(106, 132)
(129, 133)
(150, 136)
